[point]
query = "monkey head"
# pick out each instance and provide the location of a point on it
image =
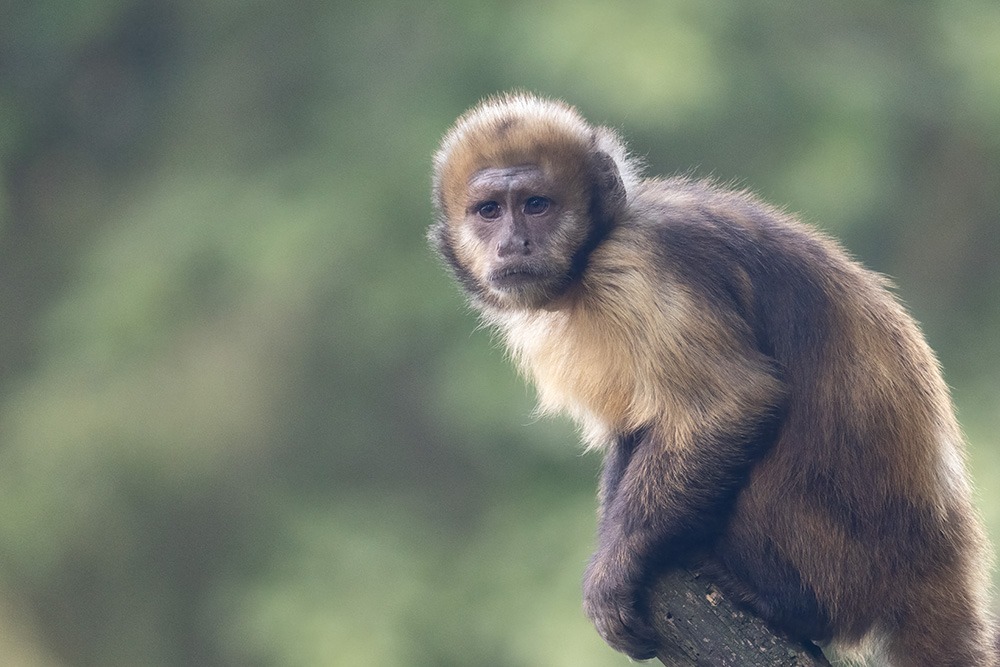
(524, 189)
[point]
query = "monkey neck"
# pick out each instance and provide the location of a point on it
(622, 352)
(576, 368)
(587, 352)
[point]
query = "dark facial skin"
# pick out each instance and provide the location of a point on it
(517, 213)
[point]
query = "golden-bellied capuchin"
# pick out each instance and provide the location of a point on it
(766, 407)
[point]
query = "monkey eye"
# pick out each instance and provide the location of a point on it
(489, 210)
(536, 205)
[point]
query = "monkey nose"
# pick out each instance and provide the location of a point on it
(514, 246)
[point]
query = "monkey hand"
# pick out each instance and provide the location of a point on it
(612, 601)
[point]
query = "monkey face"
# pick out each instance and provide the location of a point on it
(524, 189)
(517, 235)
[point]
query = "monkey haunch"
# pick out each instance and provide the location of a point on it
(764, 403)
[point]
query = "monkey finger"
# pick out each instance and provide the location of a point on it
(635, 640)
(624, 629)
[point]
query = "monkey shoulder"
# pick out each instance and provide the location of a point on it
(683, 210)
(718, 237)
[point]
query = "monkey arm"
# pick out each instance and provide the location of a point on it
(659, 501)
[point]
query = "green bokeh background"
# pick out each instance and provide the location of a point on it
(245, 419)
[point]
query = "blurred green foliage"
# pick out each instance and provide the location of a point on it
(244, 417)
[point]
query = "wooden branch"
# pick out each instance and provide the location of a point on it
(699, 627)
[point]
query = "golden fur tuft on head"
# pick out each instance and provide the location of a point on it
(519, 128)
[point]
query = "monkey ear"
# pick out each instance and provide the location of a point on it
(608, 197)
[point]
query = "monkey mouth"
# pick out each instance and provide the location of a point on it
(516, 277)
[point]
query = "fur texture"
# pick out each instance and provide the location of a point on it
(765, 405)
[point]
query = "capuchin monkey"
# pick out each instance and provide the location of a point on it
(766, 408)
